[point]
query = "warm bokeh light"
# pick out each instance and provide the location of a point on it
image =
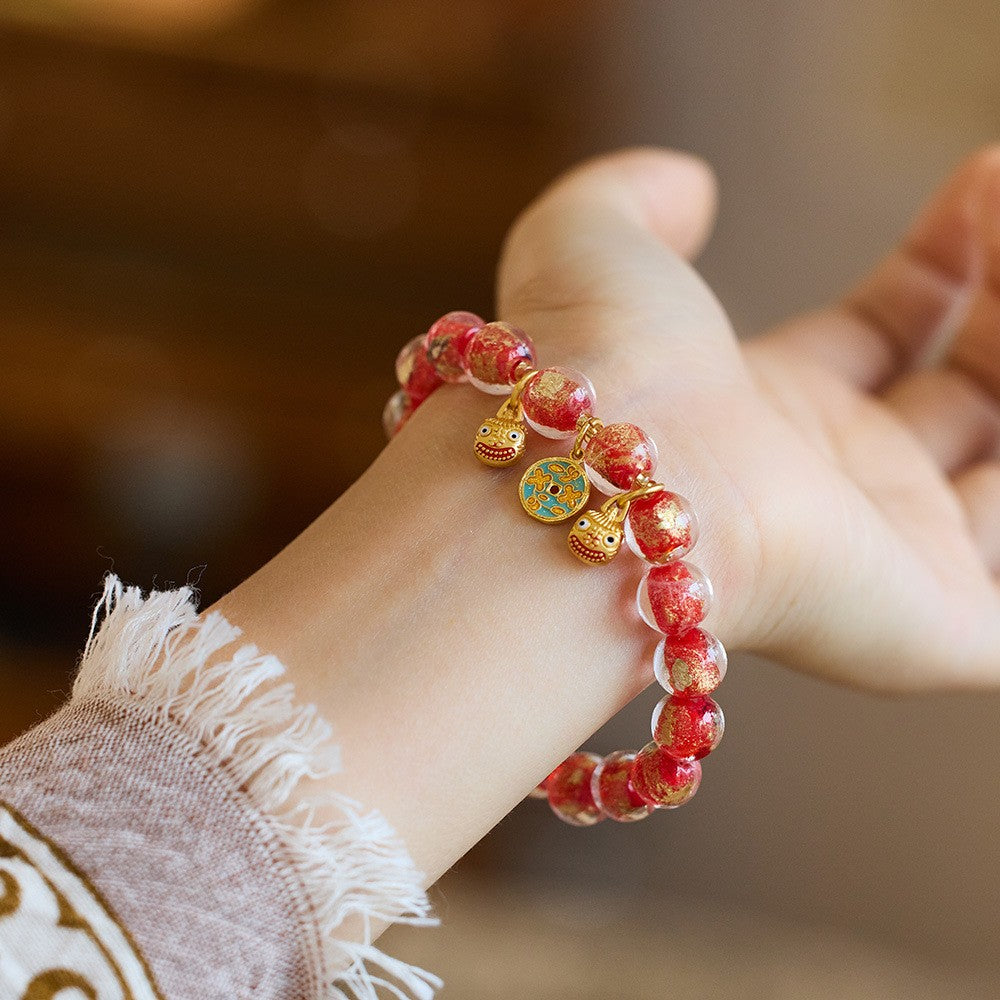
(148, 16)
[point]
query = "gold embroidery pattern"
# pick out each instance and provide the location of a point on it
(55, 922)
(46, 985)
(11, 898)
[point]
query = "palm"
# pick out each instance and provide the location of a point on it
(881, 543)
(849, 481)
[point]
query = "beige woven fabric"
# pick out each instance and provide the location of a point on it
(148, 847)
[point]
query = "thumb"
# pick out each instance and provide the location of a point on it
(596, 269)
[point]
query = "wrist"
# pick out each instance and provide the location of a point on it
(458, 648)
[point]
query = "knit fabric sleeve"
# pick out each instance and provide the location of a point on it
(170, 833)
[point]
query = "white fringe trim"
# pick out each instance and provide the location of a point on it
(154, 651)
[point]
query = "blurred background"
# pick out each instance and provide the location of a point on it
(221, 218)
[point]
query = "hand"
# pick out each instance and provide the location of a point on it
(850, 507)
(846, 465)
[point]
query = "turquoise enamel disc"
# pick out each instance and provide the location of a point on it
(554, 489)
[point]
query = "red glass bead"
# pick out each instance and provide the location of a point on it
(397, 411)
(690, 664)
(616, 455)
(661, 781)
(687, 728)
(497, 356)
(612, 790)
(415, 373)
(661, 527)
(446, 342)
(569, 790)
(555, 399)
(674, 597)
(541, 790)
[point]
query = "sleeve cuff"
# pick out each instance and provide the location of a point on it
(183, 782)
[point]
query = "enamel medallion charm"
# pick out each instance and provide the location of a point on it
(554, 489)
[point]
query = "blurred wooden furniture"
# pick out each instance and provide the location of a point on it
(211, 247)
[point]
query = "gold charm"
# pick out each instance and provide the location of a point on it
(596, 536)
(500, 440)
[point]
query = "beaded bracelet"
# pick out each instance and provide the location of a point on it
(658, 525)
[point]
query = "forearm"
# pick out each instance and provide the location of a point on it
(458, 648)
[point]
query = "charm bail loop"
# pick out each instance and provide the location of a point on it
(500, 440)
(644, 487)
(586, 429)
